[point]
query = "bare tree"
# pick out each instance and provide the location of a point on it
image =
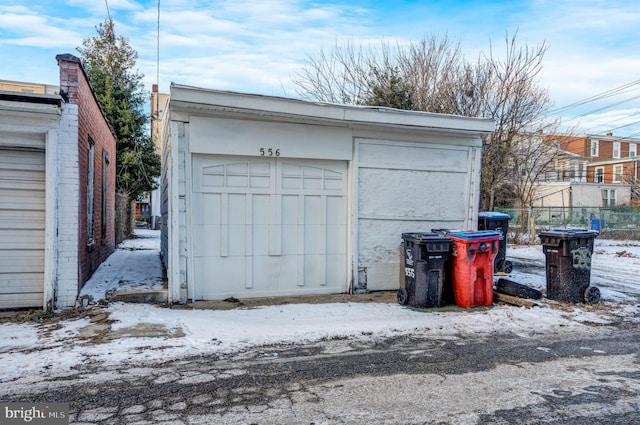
(431, 67)
(516, 103)
(345, 74)
(438, 79)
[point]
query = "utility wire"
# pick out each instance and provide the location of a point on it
(158, 50)
(609, 93)
(612, 121)
(603, 108)
(106, 3)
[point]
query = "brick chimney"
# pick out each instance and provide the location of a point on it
(69, 68)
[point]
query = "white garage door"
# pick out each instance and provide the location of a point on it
(406, 187)
(268, 226)
(22, 222)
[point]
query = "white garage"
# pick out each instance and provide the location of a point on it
(267, 196)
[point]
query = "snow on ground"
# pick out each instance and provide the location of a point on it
(140, 333)
(134, 265)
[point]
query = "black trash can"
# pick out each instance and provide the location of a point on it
(500, 222)
(568, 265)
(425, 259)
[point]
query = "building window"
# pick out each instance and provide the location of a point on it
(616, 149)
(105, 187)
(600, 175)
(608, 197)
(90, 172)
(572, 170)
(617, 173)
(581, 172)
(633, 149)
(594, 148)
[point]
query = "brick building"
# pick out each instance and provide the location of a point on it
(57, 189)
(96, 168)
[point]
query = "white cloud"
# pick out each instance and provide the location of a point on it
(24, 28)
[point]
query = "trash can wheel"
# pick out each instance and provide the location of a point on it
(592, 295)
(403, 296)
(508, 267)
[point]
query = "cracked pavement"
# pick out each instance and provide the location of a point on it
(590, 376)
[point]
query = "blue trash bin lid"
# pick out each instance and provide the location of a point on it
(475, 234)
(494, 215)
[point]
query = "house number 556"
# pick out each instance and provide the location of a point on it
(269, 152)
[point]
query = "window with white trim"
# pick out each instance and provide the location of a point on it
(594, 148)
(616, 149)
(599, 175)
(617, 173)
(608, 197)
(633, 149)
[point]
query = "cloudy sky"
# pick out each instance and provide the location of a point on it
(258, 46)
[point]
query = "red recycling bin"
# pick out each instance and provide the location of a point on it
(473, 253)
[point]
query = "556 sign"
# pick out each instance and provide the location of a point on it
(269, 152)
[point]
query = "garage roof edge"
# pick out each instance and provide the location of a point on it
(264, 105)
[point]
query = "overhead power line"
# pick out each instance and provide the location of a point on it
(625, 88)
(604, 108)
(106, 3)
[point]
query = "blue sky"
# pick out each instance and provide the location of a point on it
(257, 46)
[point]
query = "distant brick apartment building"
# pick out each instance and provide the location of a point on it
(591, 171)
(611, 159)
(57, 189)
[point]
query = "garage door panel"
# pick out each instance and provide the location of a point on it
(336, 239)
(415, 156)
(222, 275)
(336, 269)
(259, 234)
(207, 246)
(206, 209)
(19, 185)
(411, 193)
(408, 187)
(33, 299)
(21, 261)
(235, 241)
(273, 242)
(24, 239)
(212, 175)
(24, 283)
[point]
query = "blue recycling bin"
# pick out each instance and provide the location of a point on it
(490, 220)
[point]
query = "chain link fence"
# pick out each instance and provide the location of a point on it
(612, 223)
